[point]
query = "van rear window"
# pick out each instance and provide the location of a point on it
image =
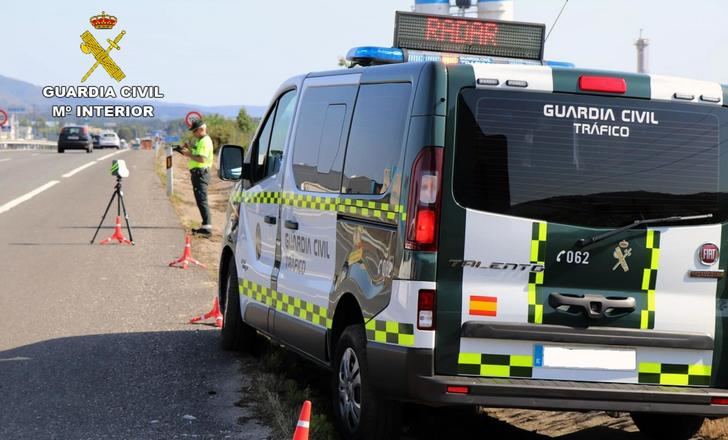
(588, 160)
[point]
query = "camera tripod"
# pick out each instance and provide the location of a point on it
(118, 235)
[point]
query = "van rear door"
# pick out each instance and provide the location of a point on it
(534, 173)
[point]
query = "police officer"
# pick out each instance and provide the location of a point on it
(200, 162)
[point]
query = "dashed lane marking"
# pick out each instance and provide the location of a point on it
(109, 155)
(24, 198)
(4, 160)
(78, 170)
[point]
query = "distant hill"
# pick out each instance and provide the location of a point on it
(16, 93)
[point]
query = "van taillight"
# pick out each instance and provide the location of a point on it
(423, 205)
(426, 303)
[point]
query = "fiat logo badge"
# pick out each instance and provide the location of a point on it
(708, 254)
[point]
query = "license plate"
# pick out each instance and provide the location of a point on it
(552, 356)
(72, 138)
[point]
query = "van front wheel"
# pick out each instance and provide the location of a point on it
(235, 334)
(360, 412)
(667, 426)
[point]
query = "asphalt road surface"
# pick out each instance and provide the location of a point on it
(94, 340)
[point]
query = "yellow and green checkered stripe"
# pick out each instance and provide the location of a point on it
(649, 278)
(287, 304)
(309, 202)
(495, 365)
(538, 256)
(674, 374)
(391, 332)
(368, 208)
(267, 198)
(364, 208)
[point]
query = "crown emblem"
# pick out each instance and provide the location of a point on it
(103, 21)
(624, 244)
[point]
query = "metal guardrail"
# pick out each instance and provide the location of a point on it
(27, 145)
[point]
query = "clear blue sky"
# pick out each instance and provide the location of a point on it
(219, 52)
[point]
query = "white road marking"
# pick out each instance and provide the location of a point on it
(109, 155)
(4, 160)
(16, 358)
(13, 203)
(79, 169)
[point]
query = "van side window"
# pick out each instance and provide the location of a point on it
(318, 151)
(273, 137)
(284, 117)
(376, 138)
(260, 147)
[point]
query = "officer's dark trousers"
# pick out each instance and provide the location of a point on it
(200, 181)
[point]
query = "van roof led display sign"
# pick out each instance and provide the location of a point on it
(471, 36)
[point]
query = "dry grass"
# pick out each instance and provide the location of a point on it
(715, 429)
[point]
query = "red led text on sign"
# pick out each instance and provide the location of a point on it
(461, 32)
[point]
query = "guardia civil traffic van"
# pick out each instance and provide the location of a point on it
(456, 222)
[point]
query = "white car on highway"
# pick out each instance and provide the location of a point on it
(109, 139)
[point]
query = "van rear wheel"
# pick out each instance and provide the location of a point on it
(667, 426)
(235, 334)
(359, 412)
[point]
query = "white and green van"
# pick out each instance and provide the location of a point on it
(488, 233)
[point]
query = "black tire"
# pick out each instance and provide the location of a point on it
(667, 426)
(235, 335)
(61, 150)
(378, 418)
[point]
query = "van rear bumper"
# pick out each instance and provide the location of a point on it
(408, 374)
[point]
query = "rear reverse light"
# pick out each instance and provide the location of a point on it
(606, 84)
(457, 390)
(426, 303)
(423, 206)
(719, 400)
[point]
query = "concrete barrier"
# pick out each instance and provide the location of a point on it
(28, 145)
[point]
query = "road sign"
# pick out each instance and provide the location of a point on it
(3, 117)
(17, 110)
(192, 116)
(171, 139)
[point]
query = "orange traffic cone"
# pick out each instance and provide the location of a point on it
(186, 257)
(118, 235)
(304, 421)
(214, 313)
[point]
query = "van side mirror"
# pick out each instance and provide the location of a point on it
(231, 163)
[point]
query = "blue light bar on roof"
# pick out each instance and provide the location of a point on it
(371, 55)
(559, 64)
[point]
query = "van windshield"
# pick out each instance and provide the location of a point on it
(586, 160)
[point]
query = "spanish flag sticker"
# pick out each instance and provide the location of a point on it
(483, 305)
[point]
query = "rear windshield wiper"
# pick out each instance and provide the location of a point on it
(591, 240)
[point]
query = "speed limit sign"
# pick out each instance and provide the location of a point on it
(3, 117)
(191, 117)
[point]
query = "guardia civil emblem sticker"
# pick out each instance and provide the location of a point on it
(621, 252)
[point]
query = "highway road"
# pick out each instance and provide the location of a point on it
(94, 340)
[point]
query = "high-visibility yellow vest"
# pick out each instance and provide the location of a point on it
(203, 147)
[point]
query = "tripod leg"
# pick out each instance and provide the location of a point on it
(103, 217)
(120, 194)
(126, 216)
